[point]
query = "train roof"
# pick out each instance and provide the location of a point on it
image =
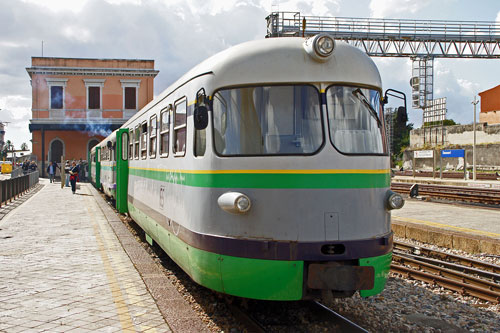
(279, 60)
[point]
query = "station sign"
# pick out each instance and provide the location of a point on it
(423, 153)
(453, 153)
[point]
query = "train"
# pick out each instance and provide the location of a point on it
(263, 172)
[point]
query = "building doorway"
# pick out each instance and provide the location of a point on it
(91, 145)
(56, 151)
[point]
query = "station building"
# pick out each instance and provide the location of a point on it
(490, 106)
(78, 102)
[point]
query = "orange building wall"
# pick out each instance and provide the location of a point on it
(75, 93)
(490, 106)
(75, 143)
(490, 99)
(74, 110)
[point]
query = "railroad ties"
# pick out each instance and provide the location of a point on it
(486, 196)
(457, 273)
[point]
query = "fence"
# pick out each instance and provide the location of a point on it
(14, 187)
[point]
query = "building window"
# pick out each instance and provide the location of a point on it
(94, 93)
(130, 100)
(130, 93)
(180, 113)
(56, 97)
(56, 92)
(94, 98)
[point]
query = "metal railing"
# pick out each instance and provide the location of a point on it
(13, 188)
(396, 37)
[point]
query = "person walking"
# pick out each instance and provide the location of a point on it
(75, 169)
(67, 167)
(51, 169)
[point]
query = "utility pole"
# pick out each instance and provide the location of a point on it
(474, 146)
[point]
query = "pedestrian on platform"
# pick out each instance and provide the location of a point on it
(67, 167)
(26, 167)
(51, 169)
(75, 169)
(33, 166)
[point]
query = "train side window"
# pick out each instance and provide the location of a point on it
(152, 136)
(144, 140)
(180, 115)
(200, 136)
(136, 142)
(164, 132)
(125, 146)
(131, 144)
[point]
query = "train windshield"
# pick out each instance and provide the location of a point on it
(353, 119)
(267, 120)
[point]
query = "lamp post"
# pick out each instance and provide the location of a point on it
(474, 145)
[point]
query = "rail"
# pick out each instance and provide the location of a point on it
(463, 278)
(484, 196)
(12, 188)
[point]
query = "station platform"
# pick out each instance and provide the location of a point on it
(493, 184)
(463, 227)
(469, 228)
(63, 269)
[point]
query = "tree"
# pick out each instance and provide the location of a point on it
(24, 146)
(401, 134)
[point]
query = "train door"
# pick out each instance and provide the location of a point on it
(98, 167)
(121, 155)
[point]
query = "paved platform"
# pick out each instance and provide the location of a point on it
(469, 228)
(64, 270)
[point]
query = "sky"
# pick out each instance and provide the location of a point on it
(178, 34)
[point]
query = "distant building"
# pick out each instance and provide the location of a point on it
(490, 106)
(78, 102)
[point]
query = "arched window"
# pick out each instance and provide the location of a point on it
(91, 145)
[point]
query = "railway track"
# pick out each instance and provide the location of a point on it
(313, 310)
(452, 193)
(466, 276)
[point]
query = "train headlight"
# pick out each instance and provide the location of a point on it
(320, 47)
(324, 45)
(394, 200)
(234, 202)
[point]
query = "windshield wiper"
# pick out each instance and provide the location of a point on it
(359, 95)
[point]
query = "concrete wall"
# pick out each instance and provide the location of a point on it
(450, 136)
(488, 158)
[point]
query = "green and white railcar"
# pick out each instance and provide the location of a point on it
(263, 172)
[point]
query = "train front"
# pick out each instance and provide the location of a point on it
(301, 179)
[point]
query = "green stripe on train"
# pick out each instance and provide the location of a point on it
(108, 168)
(242, 277)
(269, 180)
(245, 277)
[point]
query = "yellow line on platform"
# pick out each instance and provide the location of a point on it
(441, 225)
(121, 306)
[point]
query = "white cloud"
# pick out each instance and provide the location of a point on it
(468, 88)
(387, 8)
(74, 6)
(498, 17)
(77, 33)
(316, 8)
